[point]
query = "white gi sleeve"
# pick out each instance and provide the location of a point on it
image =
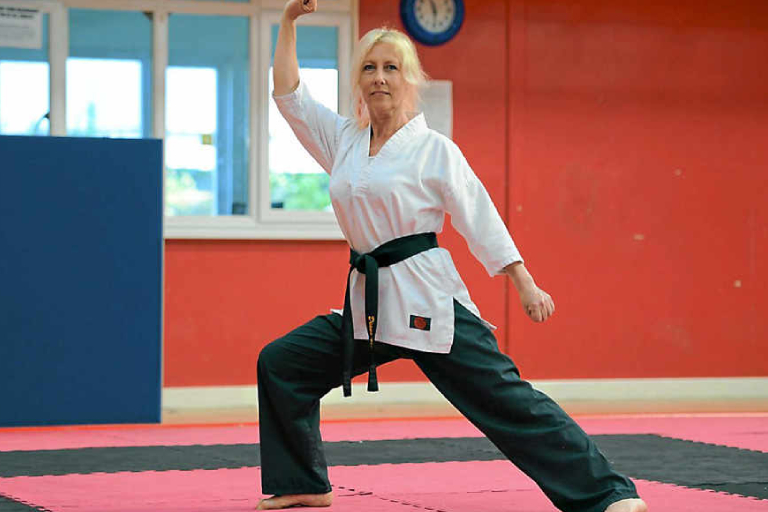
(474, 215)
(317, 127)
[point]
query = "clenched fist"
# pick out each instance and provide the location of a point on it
(295, 8)
(537, 303)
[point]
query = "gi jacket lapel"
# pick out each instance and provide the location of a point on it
(391, 148)
(401, 137)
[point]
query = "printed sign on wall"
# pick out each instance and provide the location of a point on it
(437, 105)
(20, 27)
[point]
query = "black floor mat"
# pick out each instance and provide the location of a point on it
(8, 504)
(644, 456)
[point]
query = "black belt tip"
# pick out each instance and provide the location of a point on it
(373, 381)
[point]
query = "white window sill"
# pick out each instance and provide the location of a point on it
(243, 227)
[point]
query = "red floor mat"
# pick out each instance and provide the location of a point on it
(450, 487)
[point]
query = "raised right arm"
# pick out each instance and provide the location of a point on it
(317, 127)
(285, 71)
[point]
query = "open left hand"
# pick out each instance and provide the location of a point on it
(537, 303)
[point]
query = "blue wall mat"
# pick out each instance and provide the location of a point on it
(80, 280)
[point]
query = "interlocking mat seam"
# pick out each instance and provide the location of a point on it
(10, 503)
(384, 498)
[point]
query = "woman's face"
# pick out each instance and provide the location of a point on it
(382, 83)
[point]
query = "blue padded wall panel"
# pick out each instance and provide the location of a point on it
(80, 280)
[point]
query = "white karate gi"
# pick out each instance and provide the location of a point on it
(407, 188)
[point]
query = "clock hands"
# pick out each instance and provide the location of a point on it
(432, 22)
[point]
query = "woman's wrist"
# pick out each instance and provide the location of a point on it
(288, 17)
(520, 276)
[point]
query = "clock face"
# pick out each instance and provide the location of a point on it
(435, 16)
(432, 22)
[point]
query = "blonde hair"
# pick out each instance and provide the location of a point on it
(409, 63)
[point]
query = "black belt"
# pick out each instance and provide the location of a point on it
(384, 255)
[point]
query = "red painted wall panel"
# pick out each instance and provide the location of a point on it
(638, 166)
(624, 143)
(224, 300)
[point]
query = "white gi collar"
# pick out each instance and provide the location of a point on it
(407, 132)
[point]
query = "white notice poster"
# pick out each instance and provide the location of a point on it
(437, 105)
(20, 27)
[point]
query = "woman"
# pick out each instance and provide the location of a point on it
(392, 181)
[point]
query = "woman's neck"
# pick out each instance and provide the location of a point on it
(383, 127)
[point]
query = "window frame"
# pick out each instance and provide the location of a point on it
(261, 221)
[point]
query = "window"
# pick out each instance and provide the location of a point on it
(104, 98)
(190, 155)
(206, 115)
(296, 181)
(25, 89)
(109, 74)
(198, 75)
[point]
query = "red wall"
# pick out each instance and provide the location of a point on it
(625, 145)
(642, 118)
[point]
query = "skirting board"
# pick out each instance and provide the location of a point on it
(608, 390)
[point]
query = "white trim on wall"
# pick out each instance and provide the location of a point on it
(58, 38)
(159, 64)
(628, 391)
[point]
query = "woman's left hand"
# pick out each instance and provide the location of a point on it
(537, 303)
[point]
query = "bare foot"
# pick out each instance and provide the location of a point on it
(631, 505)
(298, 500)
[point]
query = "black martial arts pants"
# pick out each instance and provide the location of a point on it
(528, 427)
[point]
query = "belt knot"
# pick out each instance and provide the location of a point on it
(361, 262)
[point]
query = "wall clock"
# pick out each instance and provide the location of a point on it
(432, 22)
